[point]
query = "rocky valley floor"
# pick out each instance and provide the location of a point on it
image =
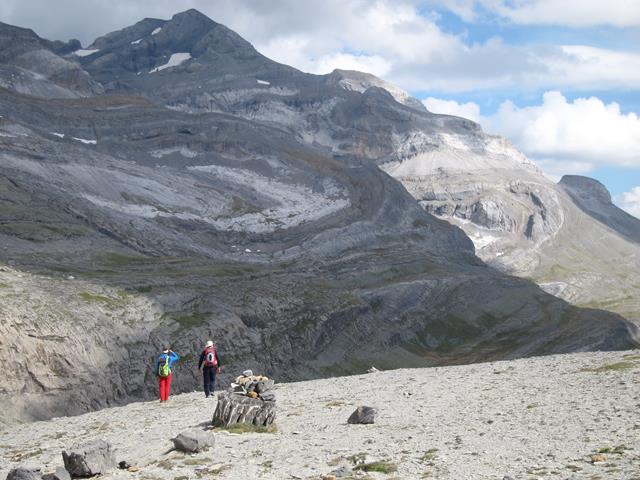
(558, 417)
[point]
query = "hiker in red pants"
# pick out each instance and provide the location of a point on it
(163, 369)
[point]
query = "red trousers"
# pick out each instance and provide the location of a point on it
(165, 387)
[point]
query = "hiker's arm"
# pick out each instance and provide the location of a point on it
(218, 362)
(201, 360)
(175, 356)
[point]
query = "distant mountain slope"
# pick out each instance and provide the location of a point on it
(595, 200)
(215, 193)
(520, 221)
(32, 65)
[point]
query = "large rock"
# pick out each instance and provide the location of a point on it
(59, 474)
(22, 473)
(192, 441)
(89, 459)
(233, 408)
(363, 415)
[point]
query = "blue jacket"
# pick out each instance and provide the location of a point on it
(173, 358)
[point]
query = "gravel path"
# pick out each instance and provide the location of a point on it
(534, 418)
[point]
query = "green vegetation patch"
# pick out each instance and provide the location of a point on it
(619, 450)
(630, 357)
(198, 461)
(193, 320)
(381, 466)
(611, 367)
(248, 428)
(429, 455)
(112, 302)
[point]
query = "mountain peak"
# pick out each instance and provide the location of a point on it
(192, 14)
(586, 187)
(593, 198)
(362, 81)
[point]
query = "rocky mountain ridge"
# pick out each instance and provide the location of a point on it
(220, 194)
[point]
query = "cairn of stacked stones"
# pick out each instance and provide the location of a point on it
(249, 400)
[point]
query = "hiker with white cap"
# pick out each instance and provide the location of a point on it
(210, 364)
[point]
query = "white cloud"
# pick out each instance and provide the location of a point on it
(630, 201)
(469, 110)
(586, 130)
(345, 61)
(562, 137)
(573, 13)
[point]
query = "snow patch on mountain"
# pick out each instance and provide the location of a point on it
(184, 151)
(156, 31)
(85, 141)
(86, 52)
(175, 60)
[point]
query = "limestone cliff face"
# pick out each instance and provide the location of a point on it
(213, 193)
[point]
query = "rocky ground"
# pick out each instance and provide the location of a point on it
(564, 416)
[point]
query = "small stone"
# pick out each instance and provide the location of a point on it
(341, 472)
(22, 473)
(268, 397)
(264, 386)
(507, 477)
(598, 458)
(329, 477)
(89, 459)
(192, 441)
(363, 415)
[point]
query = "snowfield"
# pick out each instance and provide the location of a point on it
(85, 53)
(175, 60)
(85, 141)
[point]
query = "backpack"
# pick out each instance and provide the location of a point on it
(164, 369)
(210, 359)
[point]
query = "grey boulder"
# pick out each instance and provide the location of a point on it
(363, 415)
(89, 459)
(22, 473)
(192, 441)
(59, 474)
(264, 386)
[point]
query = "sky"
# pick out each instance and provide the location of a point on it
(559, 78)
